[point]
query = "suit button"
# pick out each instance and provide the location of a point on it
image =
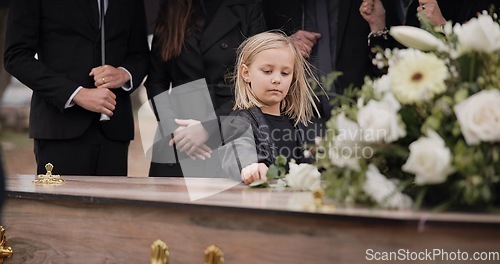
(224, 45)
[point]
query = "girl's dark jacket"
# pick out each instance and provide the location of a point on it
(247, 140)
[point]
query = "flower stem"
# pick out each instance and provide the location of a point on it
(472, 68)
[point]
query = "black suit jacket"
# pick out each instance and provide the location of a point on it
(65, 36)
(212, 57)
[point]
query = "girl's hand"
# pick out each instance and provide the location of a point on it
(254, 172)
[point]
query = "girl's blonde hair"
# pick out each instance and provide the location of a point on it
(299, 102)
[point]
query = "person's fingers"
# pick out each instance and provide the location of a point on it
(262, 171)
(109, 106)
(203, 154)
(199, 153)
(310, 38)
(202, 150)
(305, 41)
(178, 130)
(177, 135)
(367, 7)
(184, 122)
(247, 173)
(182, 144)
(205, 148)
(304, 49)
(302, 35)
(246, 177)
(192, 151)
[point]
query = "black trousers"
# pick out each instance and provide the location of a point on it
(90, 154)
(165, 170)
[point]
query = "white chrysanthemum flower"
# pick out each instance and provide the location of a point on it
(383, 191)
(418, 77)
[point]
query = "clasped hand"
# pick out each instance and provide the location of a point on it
(102, 100)
(431, 10)
(305, 41)
(190, 138)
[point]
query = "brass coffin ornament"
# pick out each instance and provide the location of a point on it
(4, 252)
(319, 203)
(48, 178)
(214, 255)
(159, 252)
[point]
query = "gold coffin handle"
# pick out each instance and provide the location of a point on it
(4, 252)
(214, 255)
(159, 252)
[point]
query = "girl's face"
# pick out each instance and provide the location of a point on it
(270, 75)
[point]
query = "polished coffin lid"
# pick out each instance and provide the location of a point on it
(212, 192)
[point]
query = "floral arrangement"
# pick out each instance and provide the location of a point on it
(426, 133)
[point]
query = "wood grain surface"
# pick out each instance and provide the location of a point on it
(116, 219)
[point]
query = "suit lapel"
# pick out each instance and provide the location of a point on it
(87, 10)
(223, 22)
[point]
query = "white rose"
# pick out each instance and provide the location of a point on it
(479, 117)
(429, 160)
(416, 38)
(303, 177)
(347, 145)
(379, 120)
(382, 85)
(479, 34)
(383, 191)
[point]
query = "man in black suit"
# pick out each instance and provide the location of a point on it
(4, 75)
(54, 47)
(333, 34)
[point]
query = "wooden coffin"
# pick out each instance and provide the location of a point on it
(116, 219)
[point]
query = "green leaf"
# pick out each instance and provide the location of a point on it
(259, 184)
(282, 172)
(461, 95)
(280, 161)
(272, 172)
(419, 200)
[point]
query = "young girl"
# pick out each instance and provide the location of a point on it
(274, 101)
